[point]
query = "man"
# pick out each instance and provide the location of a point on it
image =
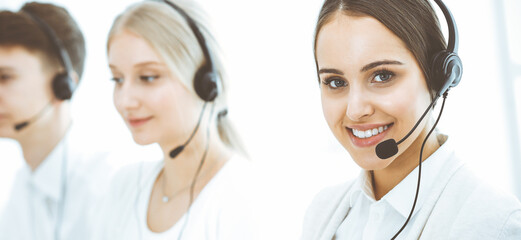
(42, 53)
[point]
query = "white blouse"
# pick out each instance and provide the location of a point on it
(223, 210)
(371, 219)
(453, 204)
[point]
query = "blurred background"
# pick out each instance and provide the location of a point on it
(274, 99)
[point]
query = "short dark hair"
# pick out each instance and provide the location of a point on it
(18, 29)
(413, 21)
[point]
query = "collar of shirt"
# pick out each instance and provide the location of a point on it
(401, 197)
(47, 179)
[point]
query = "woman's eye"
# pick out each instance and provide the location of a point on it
(117, 80)
(149, 78)
(383, 76)
(4, 77)
(335, 83)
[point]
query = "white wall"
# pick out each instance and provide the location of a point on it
(274, 97)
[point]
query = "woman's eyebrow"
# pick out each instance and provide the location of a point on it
(378, 63)
(2, 68)
(330, 70)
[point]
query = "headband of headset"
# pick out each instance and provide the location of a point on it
(62, 85)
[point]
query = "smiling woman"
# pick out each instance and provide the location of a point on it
(379, 65)
(383, 85)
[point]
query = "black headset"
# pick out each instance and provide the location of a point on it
(446, 64)
(62, 84)
(206, 78)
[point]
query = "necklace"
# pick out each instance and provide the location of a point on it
(165, 197)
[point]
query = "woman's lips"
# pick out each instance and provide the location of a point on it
(136, 122)
(376, 133)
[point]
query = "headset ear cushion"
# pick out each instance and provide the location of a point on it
(206, 84)
(62, 86)
(453, 69)
(448, 67)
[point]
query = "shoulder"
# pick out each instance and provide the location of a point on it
(323, 206)
(134, 175)
(328, 198)
(481, 194)
(126, 185)
(119, 205)
(234, 187)
(474, 206)
(236, 177)
(511, 229)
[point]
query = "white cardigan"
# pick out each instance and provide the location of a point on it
(460, 207)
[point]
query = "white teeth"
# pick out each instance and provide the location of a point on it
(369, 133)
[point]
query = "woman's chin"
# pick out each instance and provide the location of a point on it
(141, 140)
(371, 162)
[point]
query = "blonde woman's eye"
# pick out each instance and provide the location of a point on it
(149, 78)
(383, 76)
(117, 80)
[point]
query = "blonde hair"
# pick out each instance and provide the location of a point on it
(168, 33)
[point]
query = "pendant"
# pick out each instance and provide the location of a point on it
(165, 199)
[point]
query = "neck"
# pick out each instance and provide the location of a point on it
(41, 137)
(180, 171)
(386, 179)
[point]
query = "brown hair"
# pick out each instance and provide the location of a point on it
(413, 21)
(18, 29)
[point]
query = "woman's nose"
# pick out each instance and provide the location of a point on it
(126, 97)
(359, 105)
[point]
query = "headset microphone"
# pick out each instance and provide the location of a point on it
(176, 151)
(22, 125)
(389, 147)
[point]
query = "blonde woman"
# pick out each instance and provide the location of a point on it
(169, 90)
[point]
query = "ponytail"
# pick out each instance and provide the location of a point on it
(228, 134)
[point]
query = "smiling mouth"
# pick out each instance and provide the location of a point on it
(138, 122)
(370, 132)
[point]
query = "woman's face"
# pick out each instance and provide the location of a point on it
(372, 88)
(154, 104)
(25, 88)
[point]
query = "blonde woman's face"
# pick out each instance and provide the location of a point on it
(372, 88)
(155, 105)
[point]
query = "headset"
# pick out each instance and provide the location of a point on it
(207, 83)
(447, 66)
(62, 84)
(206, 79)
